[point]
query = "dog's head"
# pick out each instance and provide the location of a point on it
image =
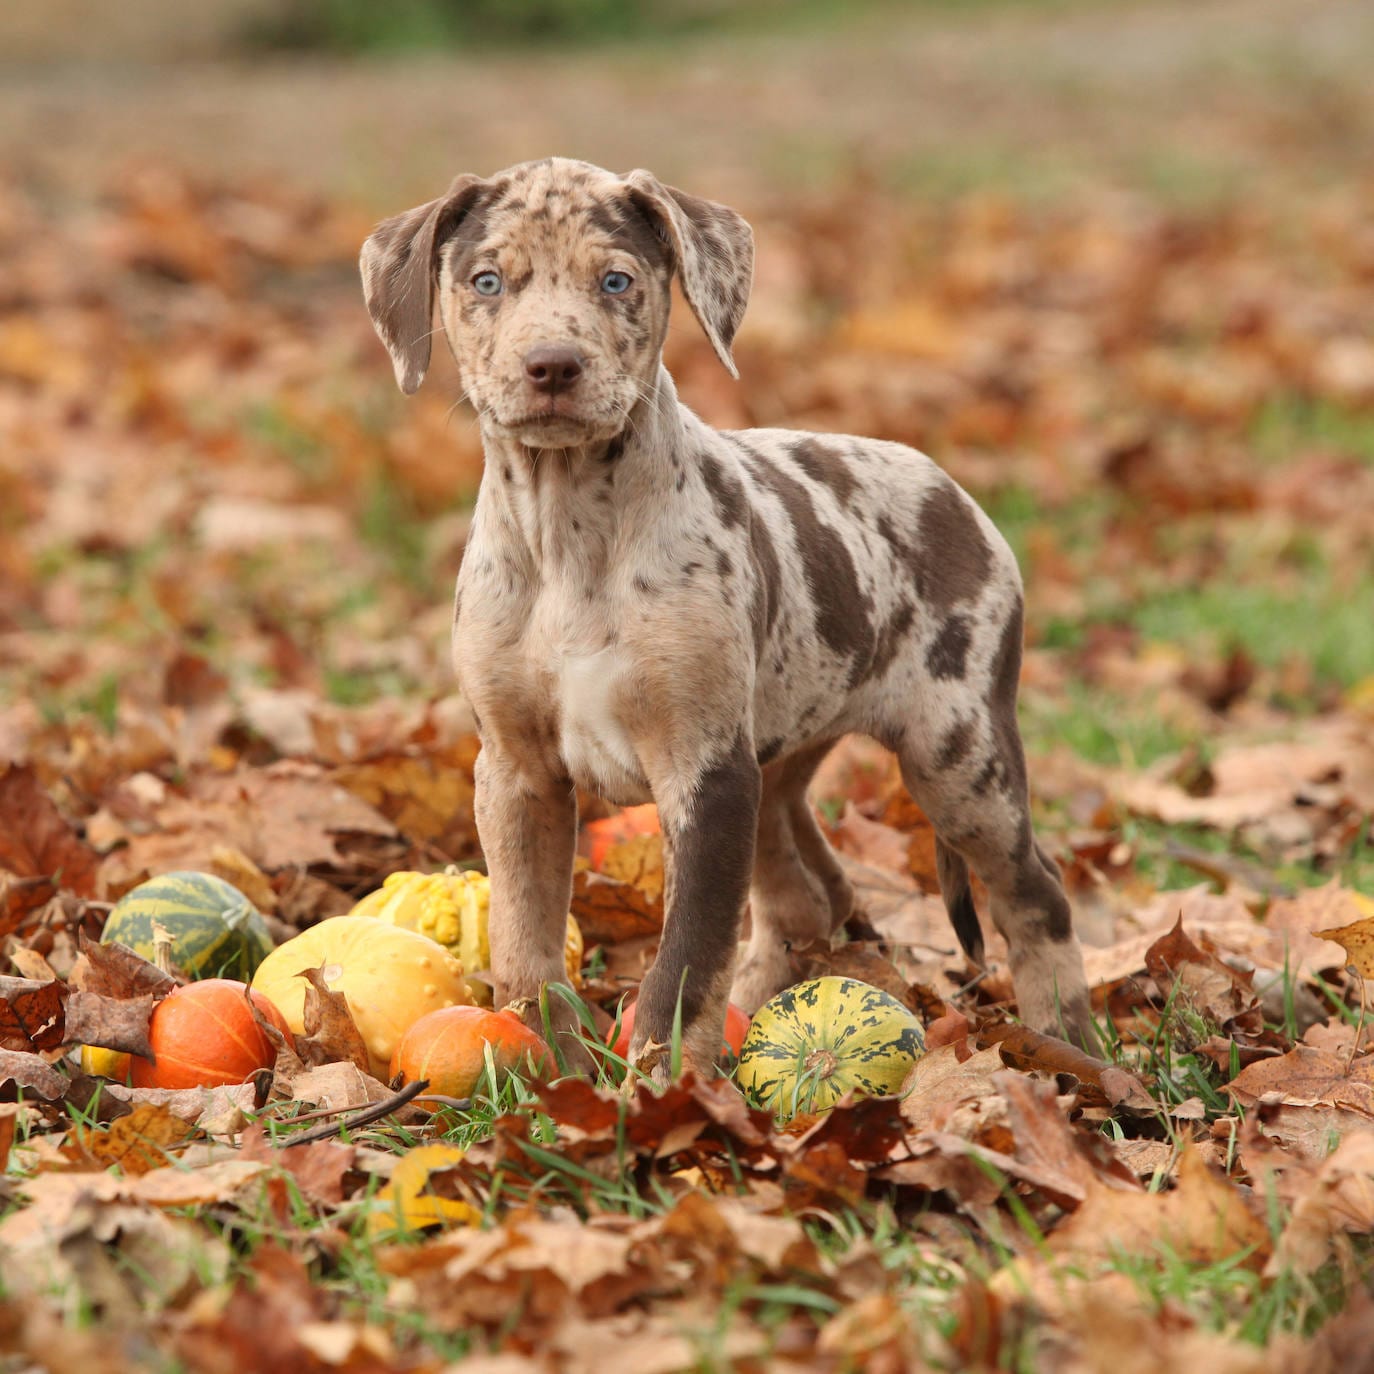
(553, 284)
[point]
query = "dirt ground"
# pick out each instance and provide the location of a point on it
(1188, 100)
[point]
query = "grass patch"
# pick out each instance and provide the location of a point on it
(407, 25)
(272, 425)
(1324, 622)
(1153, 843)
(1290, 424)
(1270, 593)
(391, 523)
(1103, 727)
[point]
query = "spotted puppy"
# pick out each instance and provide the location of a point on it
(651, 609)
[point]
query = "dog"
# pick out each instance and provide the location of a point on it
(651, 609)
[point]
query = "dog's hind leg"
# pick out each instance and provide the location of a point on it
(799, 894)
(972, 785)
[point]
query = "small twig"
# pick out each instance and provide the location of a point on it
(969, 986)
(457, 1104)
(364, 1118)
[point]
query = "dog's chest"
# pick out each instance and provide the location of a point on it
(597, 751)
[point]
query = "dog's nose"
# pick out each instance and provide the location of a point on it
(552, 367)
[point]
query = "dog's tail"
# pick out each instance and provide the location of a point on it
(954, 888)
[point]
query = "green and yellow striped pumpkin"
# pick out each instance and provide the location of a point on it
(814, 1042)
(216, 931)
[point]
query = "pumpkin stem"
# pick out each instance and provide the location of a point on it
(824, 1062)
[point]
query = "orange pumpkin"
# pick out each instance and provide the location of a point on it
(448, 1047)
(736, 1028)
(598, 838)
(204, 1036)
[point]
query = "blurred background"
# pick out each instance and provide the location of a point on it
(1112, 264)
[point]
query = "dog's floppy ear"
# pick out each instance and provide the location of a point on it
(714, 248)
(398, 268)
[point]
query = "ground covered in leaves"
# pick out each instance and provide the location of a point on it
(226, 549)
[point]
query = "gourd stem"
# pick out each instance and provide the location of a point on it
(163, 940)
(824, 1062)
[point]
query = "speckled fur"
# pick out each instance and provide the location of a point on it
(649, 608)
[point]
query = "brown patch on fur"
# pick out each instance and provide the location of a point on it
(770, 751)
(1006, 681)
(842, 610)
(947, 656)
(726, 491)
(823, 464)
(890, 639)
(952, 559)
(398, 270)
(767, 580)
(955, 746)
(714, 251)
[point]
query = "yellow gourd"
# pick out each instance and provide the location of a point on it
(452, 907)
(390, 977)
(107, 1063)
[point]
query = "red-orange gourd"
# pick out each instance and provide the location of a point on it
(736, 1028)
(448, 1047)
(204, 1036)
(598, 838)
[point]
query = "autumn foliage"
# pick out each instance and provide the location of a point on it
(226, 550)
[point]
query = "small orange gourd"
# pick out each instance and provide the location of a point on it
(449, 1048)
(204, 1036)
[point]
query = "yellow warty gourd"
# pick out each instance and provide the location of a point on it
(390, 977)
(452, 907)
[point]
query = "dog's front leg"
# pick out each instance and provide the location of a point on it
(527, 823)
(709, 824)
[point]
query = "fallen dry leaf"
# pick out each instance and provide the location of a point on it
(869, 841)
(331, 1035)
(1023, 1047)
(1202, 1220)
(136, 1143)
(114, 970)
(1357, 939)
(39, 851)
(335, 1087)
(32, 1014)
(287, 815)
(1337, 1198)
(1308, 1076)
(318, 1168)
(34, 1074)
(1201, 982)
(9, 1117)
(939, 1083)
(610, 912)
(414, 1199)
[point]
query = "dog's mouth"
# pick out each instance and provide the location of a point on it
(552, 425)
(545, 418)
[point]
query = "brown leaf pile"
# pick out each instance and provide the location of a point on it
(223, 611)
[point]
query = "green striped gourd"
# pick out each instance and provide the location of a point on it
(216, 931)
(814, 1042)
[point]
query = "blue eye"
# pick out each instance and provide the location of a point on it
(487, 283)
(615, 283)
